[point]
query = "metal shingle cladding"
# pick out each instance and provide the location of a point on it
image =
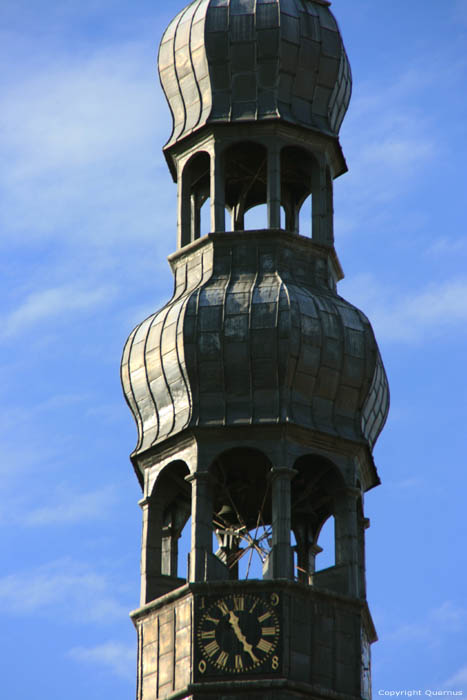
(254, 335)
(229, 60)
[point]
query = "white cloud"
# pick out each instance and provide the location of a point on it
(46, 304)
(65, 587)
(447, 619)
(81, 147)
(77, 114)
(458, 681)
(120, 658)
(410, 318)
(72, 508)
(447, 245)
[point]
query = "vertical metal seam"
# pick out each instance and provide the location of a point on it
(192, 64)
(224, 306)
(182, 364)
(180, 17)
(249, 341)
(138, 415)
(341, 368)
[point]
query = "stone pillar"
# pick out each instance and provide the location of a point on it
(217, 191)
(151, 550)
(183, 206)
(195, 224)
(169, 554)
(281, 565)
(274, 186)
(347, 537)
(307, 550)
(201, 524)
(322, 207)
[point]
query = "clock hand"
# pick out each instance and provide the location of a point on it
(233, 619)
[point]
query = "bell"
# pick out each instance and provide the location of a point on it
(228, 515)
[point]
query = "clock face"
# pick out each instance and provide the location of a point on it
(238, 633)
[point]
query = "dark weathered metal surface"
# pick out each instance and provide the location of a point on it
(255, 333)
(230, 60)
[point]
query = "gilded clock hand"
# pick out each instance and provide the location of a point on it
(233, 619)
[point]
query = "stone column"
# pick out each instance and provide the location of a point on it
(151, 550)
(347, 538)
(183, 206)
(322, 208)
(282, 555)
(201, 524)
(274, 186)
(195, 224)
(307, 550)
(169, 554)
(217, 190)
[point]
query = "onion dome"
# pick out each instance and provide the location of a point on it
(232, 60)
(255, 334)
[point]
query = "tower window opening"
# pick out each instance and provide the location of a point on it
(305, 217)
(194, 191)
(242, 512)
(327, 557)
(245, 169)
(205, 218)
(256, 217)
(184, 546)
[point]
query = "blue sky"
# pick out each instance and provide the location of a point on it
(88, 218)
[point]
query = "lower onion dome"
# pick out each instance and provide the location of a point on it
(255, 333)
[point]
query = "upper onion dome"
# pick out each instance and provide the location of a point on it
(230, 60)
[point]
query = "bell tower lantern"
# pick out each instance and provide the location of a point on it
(258, 392)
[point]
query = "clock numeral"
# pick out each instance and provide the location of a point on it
(201, 603)
(222, 605)
(239, 602)
(264, 616)
(222, 659)
(274, 599)
(264, 645)
(238, 662)
(268, 631)
(202, 666)
(209, 634)
(275, 663)
(254, 605)
(212, 619)
(211, 648)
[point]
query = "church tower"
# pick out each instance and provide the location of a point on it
(257, 390)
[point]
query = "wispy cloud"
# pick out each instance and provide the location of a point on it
(119, 658)
(79, 142)
(72, 507)
(73, 589)
(458, 681)
(390, 142)
(409, 318)
(447, 245)
(448, 618)
(47, 304)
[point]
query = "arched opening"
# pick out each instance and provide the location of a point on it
(327, 543)
(314, 490)
(305, 217)
(245, 170)
(205, 218)
(242, 518)
(256, 217)
(194, 191)
(297, 167)
(165, 514)
(184, 546)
